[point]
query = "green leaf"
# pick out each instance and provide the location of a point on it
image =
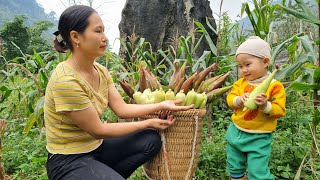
(316, 75)
(301, 15)
(210, 26)
(288, 71)
(4, 88)
(150, 56)
(281, 46)
(39, 107)
(210, 42)
(307, 45)
(200, 61)
(38, 59)
(29, 124)
(197, 45)
(6, 73)
(293, 47)
(168, 60)
(304, 86)
(185, 46)
(31, 65)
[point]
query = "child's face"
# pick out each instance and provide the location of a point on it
(252, 67)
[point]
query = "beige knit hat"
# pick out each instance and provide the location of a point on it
(255, 46)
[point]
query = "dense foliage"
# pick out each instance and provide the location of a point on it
(295, 151)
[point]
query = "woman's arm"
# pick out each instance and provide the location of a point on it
(89, 121)
(124, 110)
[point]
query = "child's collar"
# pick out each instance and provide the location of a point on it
(259, 80)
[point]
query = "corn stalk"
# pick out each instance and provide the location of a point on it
(304, 12)
(261, 17)
(2, 130)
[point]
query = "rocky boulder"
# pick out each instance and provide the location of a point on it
(161, 21)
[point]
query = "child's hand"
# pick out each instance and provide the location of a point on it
(261, 100)
(243, 98)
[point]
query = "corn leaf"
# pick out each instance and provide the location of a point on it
(39, 107)
(186, 49)
(287, 71)
(298, 173)
(30, 122)
(213, 48)
(307, 45)
(38, 59)
(197, 45)
(316, 117)
(251, 18)
(281, 46)
(201, 62)
(301, 15)
(210, 26)
(316, 75)
(167, 59)
(304, 86)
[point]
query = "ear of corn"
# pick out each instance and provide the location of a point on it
(127, 88)
(152, 81)
(169, 95)
(214, 94)
(174, 74)
(142, 79)
(188, 83)
(203, 74)
(199, 99)
(190, 97)
(180, 78)
(137, 97)
(211, 80)
(261, 88)
(204, 85)
(181, 96)
(204, 102)
(217, 83)
(159, 96)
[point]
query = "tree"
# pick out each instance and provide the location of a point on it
(37, 42)
(18, 38)
(15, 32)
(68, 3)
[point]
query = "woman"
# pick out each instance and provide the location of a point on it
(81, 146)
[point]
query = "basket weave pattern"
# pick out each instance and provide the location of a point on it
(179, 155)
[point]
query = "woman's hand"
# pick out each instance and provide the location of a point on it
(261, 100)
(171, 105)
(160, 124)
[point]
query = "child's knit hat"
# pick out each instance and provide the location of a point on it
(255, 46)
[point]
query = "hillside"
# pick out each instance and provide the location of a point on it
(30, 8)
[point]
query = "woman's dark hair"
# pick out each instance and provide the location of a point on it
(74, 18)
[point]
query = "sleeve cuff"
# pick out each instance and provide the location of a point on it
(235, 102)
(268, 108)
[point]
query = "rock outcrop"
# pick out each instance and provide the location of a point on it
(160, 21)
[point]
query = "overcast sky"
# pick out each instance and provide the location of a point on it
(110, 11)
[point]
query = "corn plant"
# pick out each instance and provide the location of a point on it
(138, 53)
(3, 124)
(311, 83)
(34, 72)
(261, 17)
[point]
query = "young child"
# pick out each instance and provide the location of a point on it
(249, 135)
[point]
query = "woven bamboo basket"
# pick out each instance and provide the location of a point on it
(179, 155)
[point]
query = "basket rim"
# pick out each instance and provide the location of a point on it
(191, 112)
